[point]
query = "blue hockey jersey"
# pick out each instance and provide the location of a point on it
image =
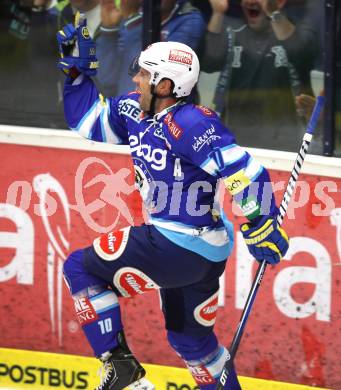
(179, 155)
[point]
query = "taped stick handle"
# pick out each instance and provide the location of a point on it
(315, 115)
(262, 266)
(300, 158)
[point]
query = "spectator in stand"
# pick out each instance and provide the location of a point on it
(265, 61)
(120, 40)
(27, 98)
(118, 44)
(34, 26)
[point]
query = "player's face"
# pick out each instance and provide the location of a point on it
(141, 79)
(254, 14)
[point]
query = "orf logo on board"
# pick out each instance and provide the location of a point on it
(206, 312)
(85, 311)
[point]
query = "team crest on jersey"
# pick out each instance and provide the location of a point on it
(85, 311)
(174, 129)
(206, 312)
(201, 375)
(130, 281)
(110, 246)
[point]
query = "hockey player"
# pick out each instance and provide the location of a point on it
(180, 151)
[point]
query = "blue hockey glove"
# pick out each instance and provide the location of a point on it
(266, 241)
(85, 61)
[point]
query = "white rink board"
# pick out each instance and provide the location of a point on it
(271, 159)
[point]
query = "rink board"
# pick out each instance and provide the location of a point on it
(40, 370)
(293, 332)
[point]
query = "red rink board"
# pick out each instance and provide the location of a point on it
(293, 333)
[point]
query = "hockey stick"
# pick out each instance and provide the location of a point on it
(262, 266)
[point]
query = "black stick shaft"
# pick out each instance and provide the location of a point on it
(262, 266)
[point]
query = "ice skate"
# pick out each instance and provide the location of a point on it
(120, 368)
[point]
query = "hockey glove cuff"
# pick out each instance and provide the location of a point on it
(266, 241)
(71, 38)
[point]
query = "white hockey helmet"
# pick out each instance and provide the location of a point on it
(172, 60)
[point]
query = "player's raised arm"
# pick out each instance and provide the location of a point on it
(86, 111)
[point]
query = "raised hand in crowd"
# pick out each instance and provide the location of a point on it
(111, 15)
(270, 6)
(219, 7)
(281, 25)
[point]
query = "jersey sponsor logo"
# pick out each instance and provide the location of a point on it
(237, 182)
(131, 109)
(85, 311)
(250, 207)
(206, 312)
(175, 130)
(205, 110)
(181, 57)
(208, 136)
(201, 375)
(130, 281)
(157, 157)
(110, 246)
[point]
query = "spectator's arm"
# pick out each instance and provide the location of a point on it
(215, 42)
(219, 7)
(283, 28)
(107, 54)
(281, 25)
(302, 48)
(214, 52)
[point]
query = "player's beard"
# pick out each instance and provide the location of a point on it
(145, 102)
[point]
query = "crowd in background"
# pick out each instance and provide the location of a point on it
(263, 54)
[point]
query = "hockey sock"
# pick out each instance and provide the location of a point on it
(97, 307)
(204, 358)
(100, 318)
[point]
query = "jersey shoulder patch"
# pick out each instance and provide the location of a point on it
(129, 107)
(206, 111)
